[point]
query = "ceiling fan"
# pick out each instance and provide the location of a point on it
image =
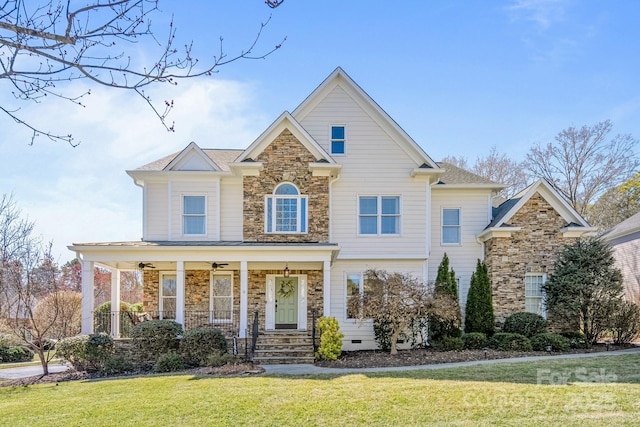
(216, 265)
(144, 265)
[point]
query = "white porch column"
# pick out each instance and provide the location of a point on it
(115, 303)
(244, 299)
(180, 292)
(87, 297)
(326, 289)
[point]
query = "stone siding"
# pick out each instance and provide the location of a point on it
(286, 160)
(531, 250)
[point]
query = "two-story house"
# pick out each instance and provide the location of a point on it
(285, 228)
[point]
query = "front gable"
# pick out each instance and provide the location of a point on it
(192, 158)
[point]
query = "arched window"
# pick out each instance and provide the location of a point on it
(286, 210)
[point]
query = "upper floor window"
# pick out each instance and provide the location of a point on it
(193, 215)
(379, 215)
(286, 210)
(451, 226)
(337, 140)
(533, 295)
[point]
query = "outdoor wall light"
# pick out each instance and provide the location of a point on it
(286, 270)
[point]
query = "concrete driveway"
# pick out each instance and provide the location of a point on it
(29, 371)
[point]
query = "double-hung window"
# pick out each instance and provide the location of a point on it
(451, 226)
(286, 210)
(379, 215)
(356, 286)
(221, 298)
(167, 303)
(193, 215)
(337, 140)
(533, 295)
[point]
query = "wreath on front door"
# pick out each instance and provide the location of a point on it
(286, 288)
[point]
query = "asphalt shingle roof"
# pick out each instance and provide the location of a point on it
(456, 175)
(220, 157)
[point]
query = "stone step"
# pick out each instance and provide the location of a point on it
(276, 360)
(284, 346)
(272, 352)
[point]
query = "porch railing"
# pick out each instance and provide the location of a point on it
(227, 322)
(254, 336)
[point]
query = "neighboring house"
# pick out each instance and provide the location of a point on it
(624, 239)
(283, 231)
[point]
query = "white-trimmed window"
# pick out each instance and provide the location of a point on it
(286, 210)
(355, 286)
(194, 215)
(378, 215)
(221, 303)
(167, 293)
(533, 294)
(338, 139)
(451, 226)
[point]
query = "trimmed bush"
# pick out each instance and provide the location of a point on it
(14, 353)
(116, 364)
(505, 341)
(449, 344)
(527, 324)
(218, 358)
(556, 341)
(169, 362)
(479, 309)
(86, 352)
(576, 339)
(475, 341)
(198, 344)
(155, 337)
(330, 338)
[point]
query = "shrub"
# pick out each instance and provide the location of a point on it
(86, 352)
(103, 317)
(169, 362)
(198, 344)
(155, 337)
(330, 338)
(474, 341)
(556, 341)
(527, 324)
(479, 309)
(382, 333)
(14, 353)
(576, 339)
(449, 344)
(626, 323)
(505, 341)
(218, 358)
(116, 364)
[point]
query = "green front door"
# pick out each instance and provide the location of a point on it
(287, 303)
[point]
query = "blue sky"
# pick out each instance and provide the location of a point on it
(458, 76)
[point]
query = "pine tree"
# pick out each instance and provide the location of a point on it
(479, 310)
(446, 285)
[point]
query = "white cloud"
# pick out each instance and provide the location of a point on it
(82, 194)
(542, 12)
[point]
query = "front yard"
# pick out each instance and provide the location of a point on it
(593, 391)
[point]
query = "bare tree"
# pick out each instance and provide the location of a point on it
(45, 44)
(398, 299)
(616, 205)
(64, 307)
(584, 163)
(497, 168)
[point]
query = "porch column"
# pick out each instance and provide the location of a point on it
(180, 292)
(115, 303)
(244, 299)
(326, 289)
(87, 297)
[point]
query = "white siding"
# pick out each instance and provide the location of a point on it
(156, 211)
(200, 187)
(374, 164)
(626, 251)
(474, 213)
(231, 209)
(356, 329)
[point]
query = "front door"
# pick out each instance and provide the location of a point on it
(286, 302)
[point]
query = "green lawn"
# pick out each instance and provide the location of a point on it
(502, 394)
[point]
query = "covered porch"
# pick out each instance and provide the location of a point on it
(226, 285)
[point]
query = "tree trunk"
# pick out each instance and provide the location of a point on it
(43, 360)
(394, 342)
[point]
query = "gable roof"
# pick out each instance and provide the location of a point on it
(455, 176)
(340, 78)
(285, 121)
(628, 226)
(220, 157)
(576, 224)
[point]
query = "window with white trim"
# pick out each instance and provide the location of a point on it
(355, 286)
(194, 215)
(337, 140)
(451, 226)
(286, 210)
(379, 215)
(167, 294)
(221, 303)
(533, 294)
